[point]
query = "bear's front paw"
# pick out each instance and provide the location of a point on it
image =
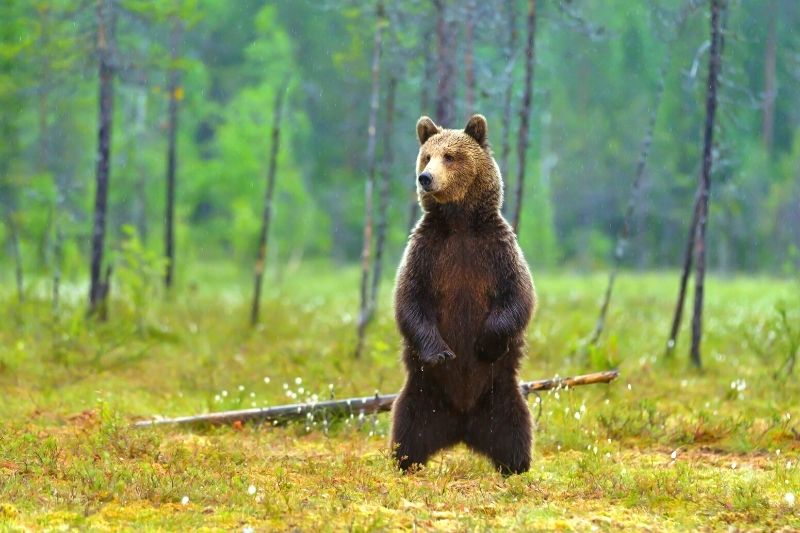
(435, 358)
(491, 347)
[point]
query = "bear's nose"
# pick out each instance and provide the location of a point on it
(425, 179)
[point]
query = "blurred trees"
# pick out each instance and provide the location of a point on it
(597, 68)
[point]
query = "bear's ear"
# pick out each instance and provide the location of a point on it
(477, 129)
(426, 129)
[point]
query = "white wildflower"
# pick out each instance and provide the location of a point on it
(185, 500)
(251, 490)
(789, 499)
(739, 385)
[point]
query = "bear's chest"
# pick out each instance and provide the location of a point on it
(463, 283)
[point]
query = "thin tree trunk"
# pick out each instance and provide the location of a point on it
(45, 159)
(424, 104)
(58, 237)
(15, 251)
(624, 233)
(510, 55)
(350, 406)
(525, 112)
(263, 236)
(644, 153)
(446, 69)
(364, 312)
(58, 258)
(768, 122)
(141, 171)
(43, 92)
(172, 131)
(383, 206)
(469, 56)
(714, 64)
(105, 47)
(688, 256)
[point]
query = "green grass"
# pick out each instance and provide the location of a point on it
(70, 389)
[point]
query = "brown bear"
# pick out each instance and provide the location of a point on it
(463, 299)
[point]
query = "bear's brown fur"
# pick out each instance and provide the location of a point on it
(463, 298)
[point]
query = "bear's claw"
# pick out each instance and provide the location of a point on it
(437, 358)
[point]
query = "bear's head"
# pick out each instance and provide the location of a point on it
(456, 166)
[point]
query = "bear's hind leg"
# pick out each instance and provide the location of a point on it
(500, 427)
(421, 426)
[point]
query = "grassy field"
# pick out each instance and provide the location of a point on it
(665, 447)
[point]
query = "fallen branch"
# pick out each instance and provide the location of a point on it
(365, 404)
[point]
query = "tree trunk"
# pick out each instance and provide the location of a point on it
(424, 104)
(446, 69)
(58, 257)
(263, 236)
(15, 251)
(45, 159)
(43, 91)
(141, 170)
(677, 317)
(350, 406)
(172, 130)
(525, 112)
(768, 122)
(469, 56)
(714, 64)
(644, 153)
(105, 49)
(364, 312)
(510, 56)
(624, 233)
(383, 206)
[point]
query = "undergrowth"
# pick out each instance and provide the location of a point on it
(664, 447)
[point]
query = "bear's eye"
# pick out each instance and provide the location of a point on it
(426, 158)
(448, 158)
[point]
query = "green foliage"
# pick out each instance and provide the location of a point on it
(596, 74)
(139, 273)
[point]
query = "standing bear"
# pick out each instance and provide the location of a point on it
(463, 298)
